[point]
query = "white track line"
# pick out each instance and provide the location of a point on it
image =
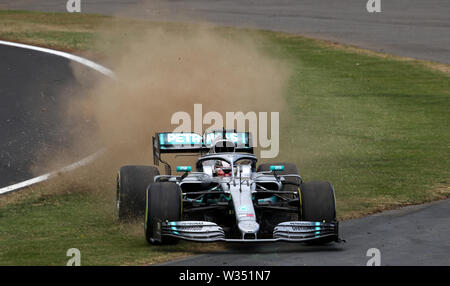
(71, 57)
(75, 165)
(47, 176)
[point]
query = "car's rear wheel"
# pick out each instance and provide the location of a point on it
(132, 182)
(163, 203)
(273, 218)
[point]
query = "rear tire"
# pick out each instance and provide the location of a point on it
(163, 204)
(271, 218)
(132, 182)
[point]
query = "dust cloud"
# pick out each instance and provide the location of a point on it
(162, 69)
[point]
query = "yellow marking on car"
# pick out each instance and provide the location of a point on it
(146, 208)
(300, 200)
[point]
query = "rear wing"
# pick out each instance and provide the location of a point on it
(180, 142)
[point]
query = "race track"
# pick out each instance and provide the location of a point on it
(410, 28)
(415, 235)
(33, 88)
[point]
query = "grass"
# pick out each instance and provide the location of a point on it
(376, 126)
(39, 229)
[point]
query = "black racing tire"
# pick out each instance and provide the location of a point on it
(132, 183)
(164, 203)
(318, 204)
(318, 201)
(272, 219)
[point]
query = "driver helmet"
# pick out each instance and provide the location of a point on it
(222, 168)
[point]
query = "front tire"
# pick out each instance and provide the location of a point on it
(164, 202)
(318, 204)
(132, 182)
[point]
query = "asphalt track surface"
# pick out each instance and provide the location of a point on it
(411, 28)
(33, 85)
(33, 88)
(411, 236)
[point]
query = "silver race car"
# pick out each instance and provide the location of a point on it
(225, 196)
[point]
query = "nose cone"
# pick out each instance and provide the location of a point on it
(248, 227)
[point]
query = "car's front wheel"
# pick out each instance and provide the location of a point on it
(318, 204)
(163, 203)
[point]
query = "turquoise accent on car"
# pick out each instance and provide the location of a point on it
(184, 169)
(276, 168)
(174, 228)
(317, 228)
(272, 199)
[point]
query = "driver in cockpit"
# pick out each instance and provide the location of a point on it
(222, 169)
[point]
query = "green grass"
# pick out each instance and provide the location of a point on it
(68, 40)
(375, 126)
(40, 229)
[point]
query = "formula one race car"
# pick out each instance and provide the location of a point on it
(227, 197)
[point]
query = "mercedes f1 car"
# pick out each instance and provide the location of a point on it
(226, 196)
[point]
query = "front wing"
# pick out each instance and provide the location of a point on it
(291, 231)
